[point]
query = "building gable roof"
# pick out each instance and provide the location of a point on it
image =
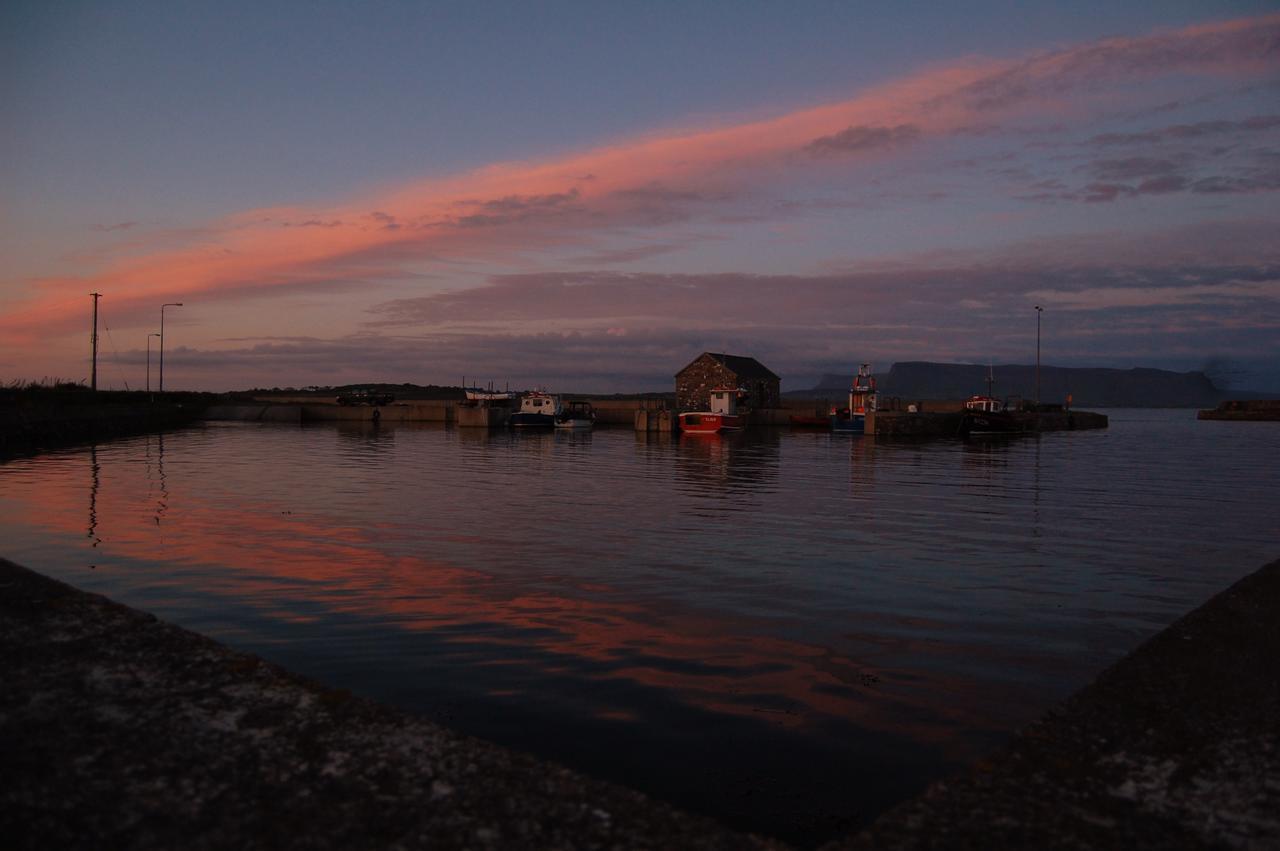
(743, 367)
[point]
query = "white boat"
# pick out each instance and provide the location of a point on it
(537, 410)
(490, 396)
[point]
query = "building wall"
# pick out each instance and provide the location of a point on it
(695, 382)
(765, 393)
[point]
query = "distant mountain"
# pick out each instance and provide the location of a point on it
(1107, 388)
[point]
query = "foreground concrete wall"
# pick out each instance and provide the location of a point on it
(1177, 746)
(118, 730)
(121, 731)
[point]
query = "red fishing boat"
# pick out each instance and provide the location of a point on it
(723, 415)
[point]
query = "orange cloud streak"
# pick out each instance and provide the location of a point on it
(504, 207)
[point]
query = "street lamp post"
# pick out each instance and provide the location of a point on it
(93, 379)
(149, 336)
(162, 307)
(1039, 310)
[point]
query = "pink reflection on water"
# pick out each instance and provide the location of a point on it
(273, 558)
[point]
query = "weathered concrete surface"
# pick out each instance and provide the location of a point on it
(117, 730)
(1176, 746)
(120, 731)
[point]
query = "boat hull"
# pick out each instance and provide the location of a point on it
(703, 422)
(855, 424)
(984, 422)
(523, 419)
(574, 424)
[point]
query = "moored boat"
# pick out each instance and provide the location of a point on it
(862, 398)
(577, 416)
(490, 396)
(722, 417)
(537, 410)
(985, 414)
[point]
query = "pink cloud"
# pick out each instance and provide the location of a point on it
(493, 213)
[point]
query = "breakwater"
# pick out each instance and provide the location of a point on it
(608, 412)
(951, 423)
(121, 730)
(26, 425)
(1175, 746)
(1247, 410)
(936, 419)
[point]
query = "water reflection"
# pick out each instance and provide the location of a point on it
(699, 618)
(365, 434)
(162, 483)
(739, 465)
(95, 472)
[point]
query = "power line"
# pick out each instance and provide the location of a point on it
(114, 351)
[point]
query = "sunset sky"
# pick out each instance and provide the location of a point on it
(587, 195)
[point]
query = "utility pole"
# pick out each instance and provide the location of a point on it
(149, 336)
(162, 307)
(1039, 310)
(93, 380)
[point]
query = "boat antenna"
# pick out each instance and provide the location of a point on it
(991, 380)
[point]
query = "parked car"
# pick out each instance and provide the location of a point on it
(365, 397)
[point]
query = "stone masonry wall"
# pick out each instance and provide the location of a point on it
(695, 382)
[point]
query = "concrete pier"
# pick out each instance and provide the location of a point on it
(118, 730)
(621, 412)
(400, 412)
(656, 421)
(1177, 746)
(950, 423)
(481, 417)
(121, 731)
(1247, 410)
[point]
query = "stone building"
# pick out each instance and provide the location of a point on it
(695, 382)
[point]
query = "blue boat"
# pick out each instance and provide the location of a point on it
(862, 398)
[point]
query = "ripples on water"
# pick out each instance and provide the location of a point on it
(790, 631)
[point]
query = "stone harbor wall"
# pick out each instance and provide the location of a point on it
(121, 731)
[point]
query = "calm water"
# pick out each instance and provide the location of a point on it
(789, 631)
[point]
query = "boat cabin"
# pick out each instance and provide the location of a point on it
(984, 404)
(540, 403)
(724, 400)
